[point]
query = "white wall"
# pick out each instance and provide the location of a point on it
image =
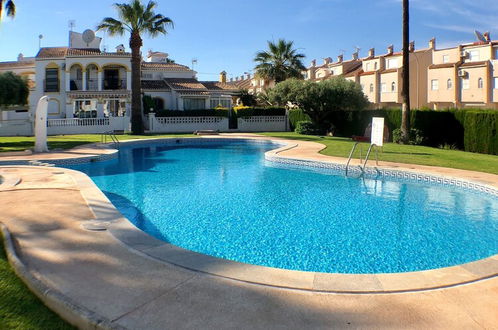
(16, 128)
(187, 124)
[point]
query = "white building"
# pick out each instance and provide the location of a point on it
(84, 82)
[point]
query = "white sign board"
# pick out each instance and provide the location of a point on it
(377, 131)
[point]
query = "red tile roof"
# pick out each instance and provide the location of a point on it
(218, 86)
(390, 71)
(16, 64)
(60, 52)
(185, 84)
(164, 66)
(155, 85)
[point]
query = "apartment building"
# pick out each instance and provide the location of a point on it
(465, 76)
(380, 76)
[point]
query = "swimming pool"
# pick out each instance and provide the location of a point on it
(223, 199)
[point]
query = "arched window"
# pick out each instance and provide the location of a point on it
(480, 83)
(449, 84)
(371, 88)
(393, 87)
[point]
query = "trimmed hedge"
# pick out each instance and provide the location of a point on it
(468, 129)
(222, 112)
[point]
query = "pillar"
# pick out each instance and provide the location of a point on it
(128, 80)
(100, 82)
(84, 81)
(68, 81)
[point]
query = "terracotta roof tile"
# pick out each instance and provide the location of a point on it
(185, 84)
(218, 86)
(52, 52)
(390, 71)
(193, 93)
(242, 84)
(368, 73)
(16, 64)
(164, 66)
(155, 85)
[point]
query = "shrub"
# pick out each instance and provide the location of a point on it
(416, 137)
(14, 89)
(306, 128)
(242, 112)
(481, 132)
(295, 116)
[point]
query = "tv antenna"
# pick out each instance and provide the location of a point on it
(71, 25)
(194, 61)
(357, 49)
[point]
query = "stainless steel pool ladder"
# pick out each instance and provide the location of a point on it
(351, 156)
(368, 155)
(112, 136)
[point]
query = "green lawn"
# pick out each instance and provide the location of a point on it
(335, 147)
(19, 308)
(21, 143)
(405, 154)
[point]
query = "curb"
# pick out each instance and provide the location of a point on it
(78, 316)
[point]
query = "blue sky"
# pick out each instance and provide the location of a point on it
(225, 34)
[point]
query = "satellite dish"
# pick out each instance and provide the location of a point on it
(88, 36)
(480, 36)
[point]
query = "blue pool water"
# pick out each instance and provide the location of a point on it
(226, 201)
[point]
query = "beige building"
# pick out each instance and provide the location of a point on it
(380, 76)
(464, 76)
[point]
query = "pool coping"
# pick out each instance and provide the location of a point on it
(144, 244)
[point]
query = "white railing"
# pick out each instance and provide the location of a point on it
(263, 124)
(74, 122)
(186, 124)
(69, 126)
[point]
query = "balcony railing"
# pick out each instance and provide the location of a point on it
(75, 85)
(113, 84)
(92, 84)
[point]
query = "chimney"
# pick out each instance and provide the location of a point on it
(223, 77)
(411, 47)
(248, 76)
(20, 57)
(231, 79)
(390, 50)
(371, 52)
(313, 63)
(327, 60)
(432, 43)
(487, 36)
(340, 58)
(236, 78)
(355, 56)
(242, 77)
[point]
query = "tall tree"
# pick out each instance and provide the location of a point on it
(10, 8)
(280, 62)
(136, 19)
(405, 74)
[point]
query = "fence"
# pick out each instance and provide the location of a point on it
(21, 127)
(70, 126)
(186, 124)
(263, 124)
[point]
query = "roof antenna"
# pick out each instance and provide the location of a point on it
(40, 37)
(71, 24)
(194, 61)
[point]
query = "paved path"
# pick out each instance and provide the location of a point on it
(94, 270)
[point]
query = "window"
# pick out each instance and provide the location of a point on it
(383, 88)
(371, 88)
(465, 83)
(147, 75)
(114, 108)
(332, 72)
(224, 103)
(434, 84)
(480, 83)
(51, 80)
(375, 66)
(446, 59)
(85, 108)
(474, 55)
(449, 84)
(392, 63)
(393, 87)
(367, 67)
(194, 104)
(495, 82)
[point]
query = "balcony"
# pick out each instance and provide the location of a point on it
(76, 85)
(92, 84)
(113, 84)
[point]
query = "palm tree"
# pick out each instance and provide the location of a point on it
(279, 62)
(136, 19)
(10, 8)
(405, 74)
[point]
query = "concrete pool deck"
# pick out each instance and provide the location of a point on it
(106, 281)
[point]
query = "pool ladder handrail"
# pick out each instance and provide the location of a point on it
(368, 155)
(112, 136)
(351, 156)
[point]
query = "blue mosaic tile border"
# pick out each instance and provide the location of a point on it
(390, 174)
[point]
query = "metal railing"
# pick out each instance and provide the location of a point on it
(112, 136)
(113, 84)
